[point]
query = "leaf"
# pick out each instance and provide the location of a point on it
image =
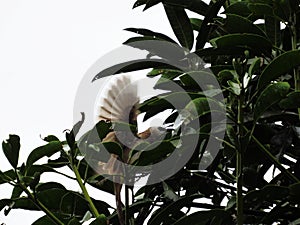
(154, 153)
(74, 221)
(11, 149)
(292, 101)
(146, 32)
(257, 43)
(42, 151)
(254, 67)
(7, 176)
(101, 220)
(196, 23)
(206, 217)
(197, 6)
(201, 106)
(205, 29)
(271, 95)
(279, 66)
(164, 212)
(133, 65)
(239, 8)
(261, 9)
(238, 24)
(181, 25)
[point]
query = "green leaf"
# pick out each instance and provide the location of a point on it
(42, 151)
(206, 217)
(154, 153)
(133, 65)
(101, 220)
(197, 6)
(164, 213)
(239, 8)
(261, 9)
(271, 95)
(11, 149)
(207, 24)
(74, 221)
(196, 23)
(7, 176)
(254, 67)
(181, 25)
(146, 32)
(281, 65)
(49, 185)
(292, 101)
(257, 43)
(201, 106)
(238, 24)
(234, 87)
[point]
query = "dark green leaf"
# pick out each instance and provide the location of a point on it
(239, 24)
(11, 149)
(146, 32)
(154, 153)
(292, 101)
(196, 23)
(181, 25)
(163, 213)
(206, 26)
(279, 66)
(257, 43)
(206, 217)
(134, 65)
(101, 220)
(42, 151)
(271, 95)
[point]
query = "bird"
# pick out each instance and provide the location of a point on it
(120, 104)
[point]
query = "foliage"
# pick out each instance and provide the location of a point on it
(254, 55)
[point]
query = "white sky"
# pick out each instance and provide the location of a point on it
(45, 48)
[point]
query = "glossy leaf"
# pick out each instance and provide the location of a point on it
(207, 217)
(11, 149)
(42, 151)
(271, 95)
(101, 220)
(279, 66)
(257, 43)
(292, 101)
(181, 25)
(146, 32)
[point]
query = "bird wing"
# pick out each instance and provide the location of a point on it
(120, 102)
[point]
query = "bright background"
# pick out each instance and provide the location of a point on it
(46, 46)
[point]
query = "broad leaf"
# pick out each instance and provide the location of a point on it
(271, 95)
(181, 25)
(42, 151)
(11, 149)
(281, 65)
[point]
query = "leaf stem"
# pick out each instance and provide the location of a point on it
(294, 47)
(40, 205)
(127, 219)
(239, 162)
(273, 159)
(85, 192)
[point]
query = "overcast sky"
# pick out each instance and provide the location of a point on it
(46, 46)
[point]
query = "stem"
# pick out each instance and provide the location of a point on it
(40, 205)
(294, 47)
(85, 193)
(274, 159)
(239, 162)
(127, 219)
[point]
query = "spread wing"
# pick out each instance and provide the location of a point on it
(120, 102)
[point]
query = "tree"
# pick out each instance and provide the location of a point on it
(255, 58)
